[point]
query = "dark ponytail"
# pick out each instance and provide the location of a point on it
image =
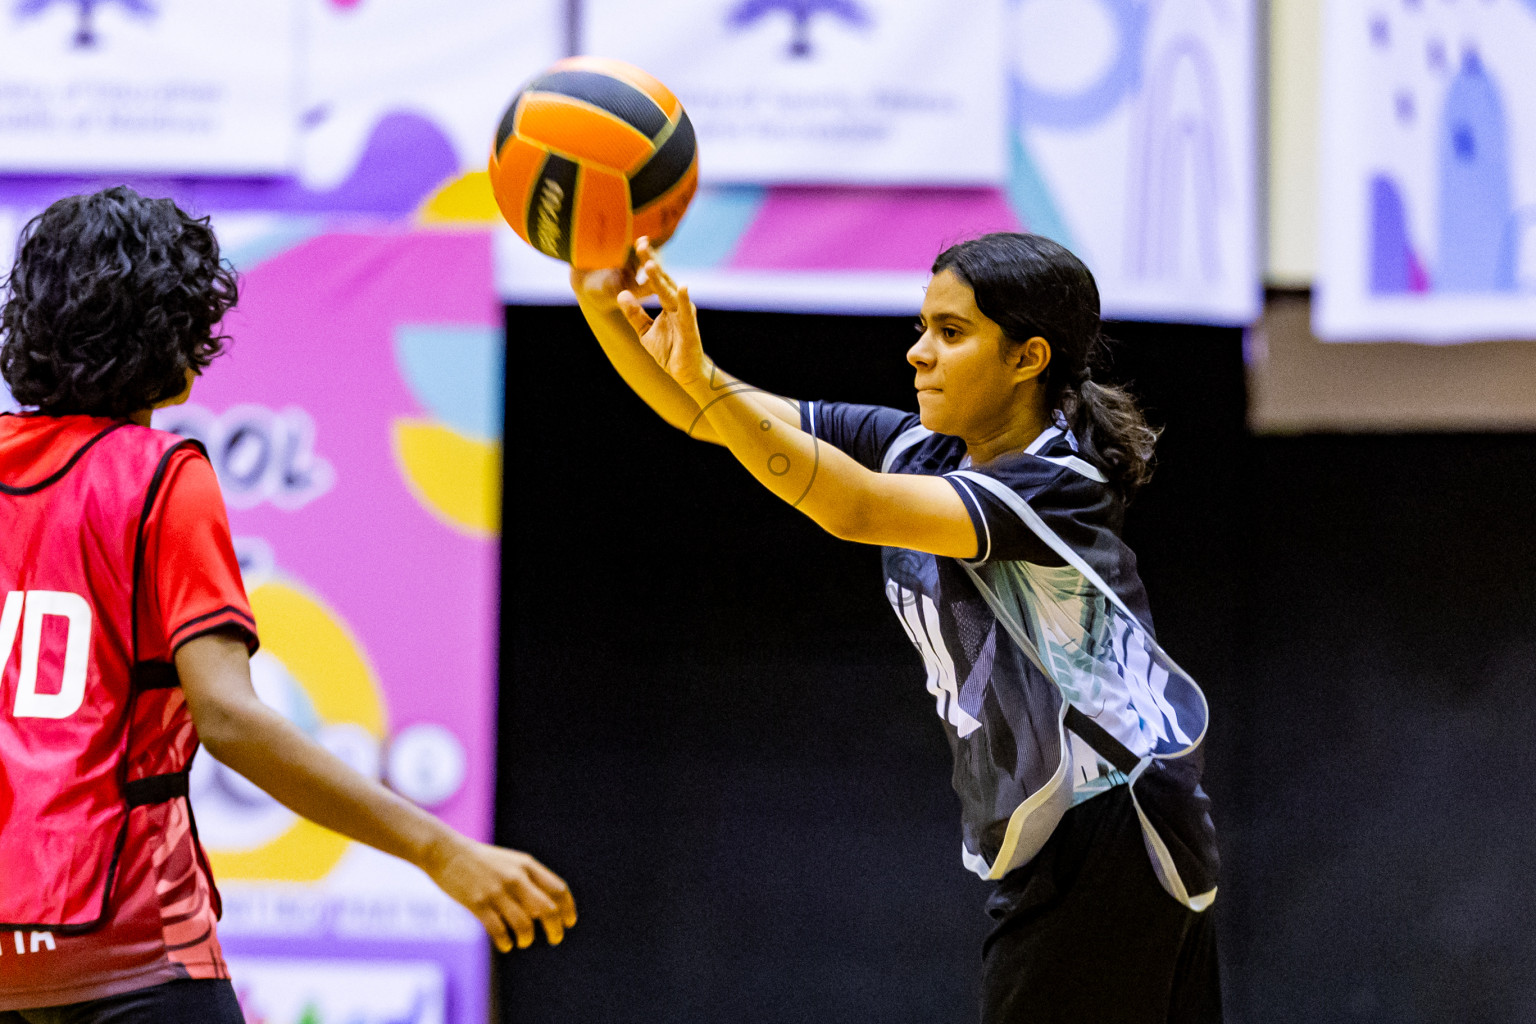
(1032, 287)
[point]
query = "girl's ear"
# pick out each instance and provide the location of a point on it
(1032, 358)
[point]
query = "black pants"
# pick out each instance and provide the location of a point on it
(1086, 935)
(175, 1002)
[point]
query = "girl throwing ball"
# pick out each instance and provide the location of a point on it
(998, 507)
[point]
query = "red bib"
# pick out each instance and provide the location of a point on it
(71, 557)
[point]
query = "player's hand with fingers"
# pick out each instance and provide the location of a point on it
(508, 890)
(602, 287)
(672, 336)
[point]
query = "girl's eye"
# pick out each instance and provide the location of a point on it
(951, 333)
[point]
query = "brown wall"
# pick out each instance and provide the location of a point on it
(1299, 385)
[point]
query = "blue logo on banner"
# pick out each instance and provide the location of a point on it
(1089, 104)
(800, 12)
(85, 33)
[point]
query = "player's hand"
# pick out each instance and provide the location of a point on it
(602, 287)
(507, 890)
(672, 337)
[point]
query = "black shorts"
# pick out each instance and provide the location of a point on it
(1085, 933)
(174, 1002)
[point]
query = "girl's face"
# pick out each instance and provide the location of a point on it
(968, 372)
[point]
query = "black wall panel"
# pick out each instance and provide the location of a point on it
(712, 725)
(711, 722)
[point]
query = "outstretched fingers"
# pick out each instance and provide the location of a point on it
(496, 928)
(674, 298)
(555, 888)
(635, 313)
(518, 921)
(664, 287)
(539, 907)
(655, 275)
(688, 317)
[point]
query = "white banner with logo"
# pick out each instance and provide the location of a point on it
(1428, 184)
(453, 67)
(342, 104)
(177, 86)
(1128, 135)
(853, 91)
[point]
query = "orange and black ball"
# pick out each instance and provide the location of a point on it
(592, 154)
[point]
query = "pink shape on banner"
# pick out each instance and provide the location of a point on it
(315, 329)
(900, 229)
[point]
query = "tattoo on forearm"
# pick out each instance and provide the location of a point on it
(779, 464)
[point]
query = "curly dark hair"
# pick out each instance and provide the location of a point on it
(112, 299)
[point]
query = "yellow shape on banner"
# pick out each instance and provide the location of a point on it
(456, 478)
(463, 200)
(323, 656)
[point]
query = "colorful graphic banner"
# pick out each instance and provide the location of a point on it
(452, 69)
(179, 86)
(1125, 128)
(1428, 180)
(1135, 141)
(355, 427)
(397, 101)
(847, 91)
(395, 125)
(1131, 139)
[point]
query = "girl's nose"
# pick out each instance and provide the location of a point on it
(917, 355)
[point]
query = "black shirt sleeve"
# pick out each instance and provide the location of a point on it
(1070, 504)
(861, 431)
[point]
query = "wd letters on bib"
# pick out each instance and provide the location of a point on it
(1040, 653)
(74, 715)
(338, 149)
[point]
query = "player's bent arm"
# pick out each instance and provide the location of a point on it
(659, 391)
(839, 494)
(596, 294)
(507, 890)
(902, 510)
(923, 513)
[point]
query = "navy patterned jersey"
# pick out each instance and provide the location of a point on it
(1051, 610)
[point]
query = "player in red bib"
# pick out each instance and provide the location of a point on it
(125, 637)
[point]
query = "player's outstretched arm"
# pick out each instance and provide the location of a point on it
(597, 293)
(507, 890)
(923, 513)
